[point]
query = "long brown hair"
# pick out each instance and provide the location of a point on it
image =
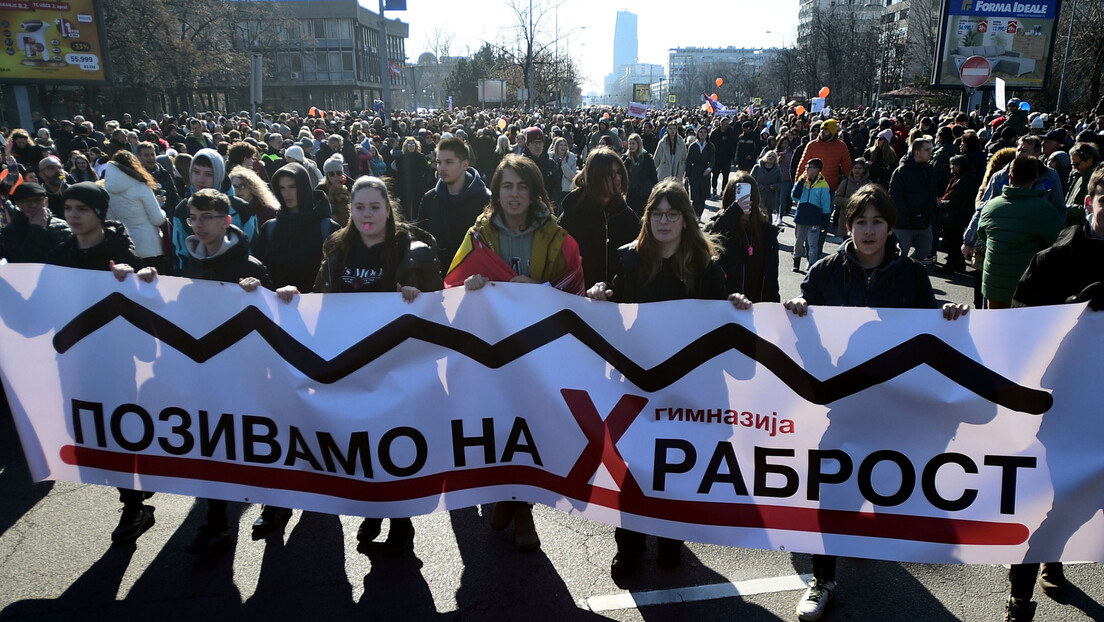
(530, 175)
(128, 163)
(599, 167)
(756, 217)
(999, 160)
(695, 250)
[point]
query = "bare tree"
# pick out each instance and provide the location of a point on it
(534, 48)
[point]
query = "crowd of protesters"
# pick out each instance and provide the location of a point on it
(352, 202)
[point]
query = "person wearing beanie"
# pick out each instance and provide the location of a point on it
(33, 230)
(295, 154)
(831, 151)
(334, 174)
(99, 245)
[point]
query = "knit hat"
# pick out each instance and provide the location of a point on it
(831, 125)
(92, 195)
(1037, 123)
(335, 164)
(294, 152)
(887, 135)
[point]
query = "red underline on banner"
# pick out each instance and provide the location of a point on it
(840, 522)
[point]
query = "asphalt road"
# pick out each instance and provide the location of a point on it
(57, 563)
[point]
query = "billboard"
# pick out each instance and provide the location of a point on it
(1016, 37)
(642, 92)
(53, 42)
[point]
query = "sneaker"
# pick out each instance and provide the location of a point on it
(135, 521)
(209, 541)
(1019, 610)
(815, 600)
(272, 519)
(1052, 579)
(623, 566)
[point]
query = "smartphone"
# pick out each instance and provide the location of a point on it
(743, 191)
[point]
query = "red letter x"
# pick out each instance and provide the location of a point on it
(602, 437)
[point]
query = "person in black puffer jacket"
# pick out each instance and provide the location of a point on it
(597, 216)
(671, 259)
(750, 241)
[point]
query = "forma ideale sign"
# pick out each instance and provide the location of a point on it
(1017, 38)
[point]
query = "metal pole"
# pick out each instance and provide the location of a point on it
(1065, 59)
(385, 67)
(529, 56)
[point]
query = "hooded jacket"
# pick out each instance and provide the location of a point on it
(232, 263)
(241, 213)
(290, 245)
(840, 281)
(447, 217)
(134, 204)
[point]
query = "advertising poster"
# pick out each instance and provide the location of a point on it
(54, 42)
(1016, 37)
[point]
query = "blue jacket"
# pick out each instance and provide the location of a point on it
(814, 202)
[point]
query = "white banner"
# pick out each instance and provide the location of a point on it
(890, 434)
(999, 96)
(637, 109)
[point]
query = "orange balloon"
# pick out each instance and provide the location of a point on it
(713, 97)
(824, 91)
(720, 81)
(800, 110)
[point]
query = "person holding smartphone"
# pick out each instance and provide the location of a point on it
(750, 241)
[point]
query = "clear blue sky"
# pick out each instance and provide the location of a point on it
(587, 27)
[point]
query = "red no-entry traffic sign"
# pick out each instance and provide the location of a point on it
(975, 71)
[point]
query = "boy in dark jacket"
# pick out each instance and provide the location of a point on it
(33, 230)
(99, 245)
(868, 271)
(1071, 271)
(217, 251)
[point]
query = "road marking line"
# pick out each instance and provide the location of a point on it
(632, 600)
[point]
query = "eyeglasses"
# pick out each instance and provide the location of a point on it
(670, 216)
(204, 219)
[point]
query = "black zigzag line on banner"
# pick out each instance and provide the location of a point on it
(920, 350)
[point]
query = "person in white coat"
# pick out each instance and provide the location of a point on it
(670, 155)
(135, 204)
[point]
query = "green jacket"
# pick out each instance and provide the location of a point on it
(1013, 227)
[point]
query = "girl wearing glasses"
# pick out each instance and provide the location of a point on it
(671, 259)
